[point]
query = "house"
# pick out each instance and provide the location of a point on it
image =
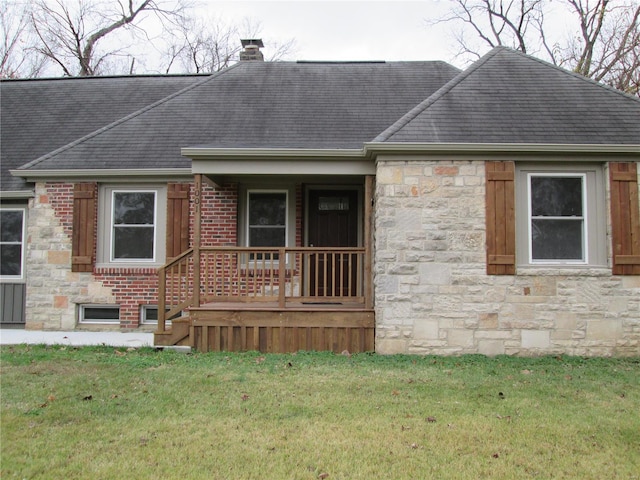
(406, 207)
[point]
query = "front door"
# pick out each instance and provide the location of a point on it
(333, 222)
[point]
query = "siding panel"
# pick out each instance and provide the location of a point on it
(12, 303)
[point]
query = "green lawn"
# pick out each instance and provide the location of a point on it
(102, 413)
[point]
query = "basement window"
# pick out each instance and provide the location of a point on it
(149, 315)
(99, 314)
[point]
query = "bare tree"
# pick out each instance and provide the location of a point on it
(199, 46)
(74, 37)
(204, 45)
(17, 57)
(605, 45)
(608, 49)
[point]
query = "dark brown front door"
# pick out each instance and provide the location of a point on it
(333, 222)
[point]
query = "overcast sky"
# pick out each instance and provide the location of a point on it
(346, 30)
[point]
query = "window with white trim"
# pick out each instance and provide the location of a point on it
(560, 215)
(12, 235)
(266, 218)
(100, 314)
(132, 225)
(149, 315)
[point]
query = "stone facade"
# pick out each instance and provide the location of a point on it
(432, 293)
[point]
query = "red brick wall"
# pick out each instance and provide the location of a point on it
(60, 197)
(219, 216)
(299, 210)
(133, 287)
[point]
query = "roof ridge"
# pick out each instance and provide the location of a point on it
(102, 77)
(122, 120)
(433, 98)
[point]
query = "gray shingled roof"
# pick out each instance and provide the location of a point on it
(306, 105)
(508, 97)
(41, 115)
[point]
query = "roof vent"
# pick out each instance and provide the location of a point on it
(252, 49)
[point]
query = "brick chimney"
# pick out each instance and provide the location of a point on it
(252, 50)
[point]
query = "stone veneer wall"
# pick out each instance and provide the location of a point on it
(432, 292)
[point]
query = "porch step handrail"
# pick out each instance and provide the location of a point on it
(175, 263)
(251, 274)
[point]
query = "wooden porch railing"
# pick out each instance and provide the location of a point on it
(281, 276)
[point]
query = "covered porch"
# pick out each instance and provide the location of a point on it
(317, 295)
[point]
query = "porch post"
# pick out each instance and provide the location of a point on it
(196, 238)
(368, 240)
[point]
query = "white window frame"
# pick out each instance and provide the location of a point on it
(143, 315)
(594, 216)
(286, 220)
(81, 314)
(583, 219)
(23, 236)
(105, 247)
(114, 227)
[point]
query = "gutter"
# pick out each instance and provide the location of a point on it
(17, 194)
(136, 174)
(372, 149)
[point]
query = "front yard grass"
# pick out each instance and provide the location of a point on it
(110, 413)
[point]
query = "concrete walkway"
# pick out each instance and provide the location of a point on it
(111, 339)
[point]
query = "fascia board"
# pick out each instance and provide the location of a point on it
(284, 166)
(278, 161)
(16, 194)
(373, 149)
(208, 153)
(137, 174)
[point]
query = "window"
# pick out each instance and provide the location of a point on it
(132, 225)
(149, 315)
(557, 213)
(564, 221)
(12, 228)
(267, 219)
(99, 314)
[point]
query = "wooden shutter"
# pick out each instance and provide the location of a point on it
(500, 207)
(177, 219)
(84, 227)
(625, 218)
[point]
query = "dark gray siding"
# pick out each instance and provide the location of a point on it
(12, 302)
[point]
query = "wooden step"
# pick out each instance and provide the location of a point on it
(177, 334)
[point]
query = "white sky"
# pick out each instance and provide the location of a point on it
(346, 30)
